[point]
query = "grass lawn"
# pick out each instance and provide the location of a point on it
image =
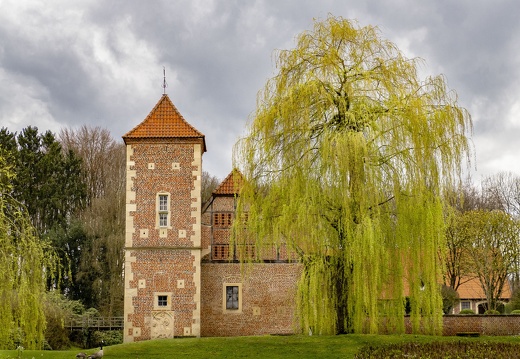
(301, 347)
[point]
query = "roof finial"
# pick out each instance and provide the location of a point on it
(165, 84)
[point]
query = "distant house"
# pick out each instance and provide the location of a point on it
(472, 296)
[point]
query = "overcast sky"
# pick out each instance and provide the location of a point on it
(100, 63)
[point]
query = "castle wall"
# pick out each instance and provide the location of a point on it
(267, 304)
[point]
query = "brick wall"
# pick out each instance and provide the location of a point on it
(268, 293)
(483, 324)
(162, 260)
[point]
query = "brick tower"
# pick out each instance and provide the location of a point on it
(163, 226)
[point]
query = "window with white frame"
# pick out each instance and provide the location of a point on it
(465, 305)
(163, 210)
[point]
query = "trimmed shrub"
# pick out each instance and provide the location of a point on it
(467, 311)
(491, 312)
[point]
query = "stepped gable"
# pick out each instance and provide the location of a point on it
(164, 121)
(231, 184)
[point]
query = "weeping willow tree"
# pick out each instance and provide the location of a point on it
(346, 159)
(25, 263)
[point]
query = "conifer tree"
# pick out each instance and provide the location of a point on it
(346, 159)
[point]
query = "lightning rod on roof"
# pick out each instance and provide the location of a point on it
(165, 84)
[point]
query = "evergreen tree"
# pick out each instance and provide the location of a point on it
(48, 181)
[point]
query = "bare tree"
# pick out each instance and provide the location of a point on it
(502, 191)
(102, 158)
(209, 184)
(100, 269)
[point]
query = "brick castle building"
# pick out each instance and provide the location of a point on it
(180, 279)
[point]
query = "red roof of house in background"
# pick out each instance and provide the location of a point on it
(231, 184)
(473, 290)
(164, 121)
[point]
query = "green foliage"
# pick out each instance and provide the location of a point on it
(450, 298)
(97, 237)
(57, 310)
(47, 183)
(345, 161)
(491, 312)
(515, 299)
(25, 263)
(108, 337)
(47, 179)
(492, 249)
(516, 311)
(466, 311)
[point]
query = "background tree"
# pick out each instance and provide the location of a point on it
(25, 263)
(502, 191)
(450, 298)
(458, 266)
(493, 251)
(47, 183)
(346, 160)
(97, 240)
(48, 180)
(209, 184)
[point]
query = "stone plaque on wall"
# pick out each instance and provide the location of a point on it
(162, 325)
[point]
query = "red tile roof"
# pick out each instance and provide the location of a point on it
(164, 121)
(231, 184)
(472, 289)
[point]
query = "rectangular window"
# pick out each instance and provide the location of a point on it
(222, 219)
(163, 203)
(162, 300)
(232, 297)
(465, 305)
(163, 219)
(163, 212)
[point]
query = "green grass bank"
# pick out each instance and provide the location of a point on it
(301, 347)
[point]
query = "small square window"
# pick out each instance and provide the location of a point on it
(465, 305)
(162, 300)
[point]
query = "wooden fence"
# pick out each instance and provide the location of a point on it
(95, 323)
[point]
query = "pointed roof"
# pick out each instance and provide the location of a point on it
(231, 184)
(164, 121)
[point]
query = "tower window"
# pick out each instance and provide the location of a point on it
(162, 300)
(163, 210)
